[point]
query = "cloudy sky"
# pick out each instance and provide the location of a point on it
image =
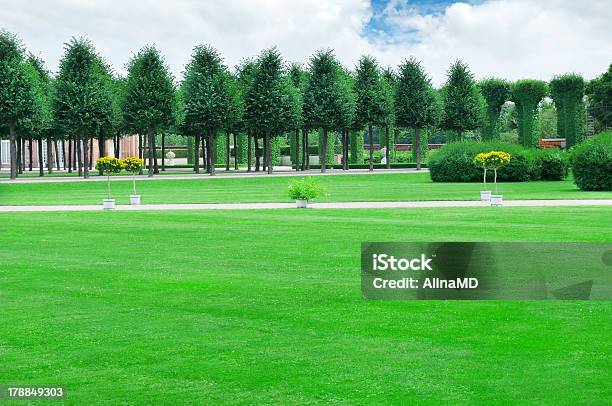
(507, 38)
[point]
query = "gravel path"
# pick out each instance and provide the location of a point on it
(345, 205)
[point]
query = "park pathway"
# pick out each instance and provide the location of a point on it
(338, 205)
(219, 174)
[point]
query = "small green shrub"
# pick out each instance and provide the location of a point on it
(552, 164)
(592, 163)
(455, 162)
(305, 189)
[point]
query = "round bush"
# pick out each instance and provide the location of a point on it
(455, 162)
(552, 164)
(592, 163)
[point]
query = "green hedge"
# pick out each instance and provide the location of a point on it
(592, 163)
(455, 163)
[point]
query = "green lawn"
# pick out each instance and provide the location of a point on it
(381, 187)
(264, 307)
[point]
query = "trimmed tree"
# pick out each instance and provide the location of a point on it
(416, 104)
(600, 98)
(207, 97)
(567, 92)
(82, 102)
(526, 94)
(323, 98)
(346, 121)
(462, 102)
(265, 100)
(495, 92)
(370, 98)
(16, 93)
(149, 97)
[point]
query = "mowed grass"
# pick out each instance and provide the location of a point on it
(264, 307)
(365, 187)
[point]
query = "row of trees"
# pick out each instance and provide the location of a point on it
(262, 98)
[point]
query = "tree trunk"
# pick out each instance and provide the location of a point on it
(57, 162)
(150, 136)
(211, 146)
(155, 164)
(70, 154)
(64, 153)
(30, 163)
(324, 151)
(346, 149)
(196, 154)
(388, 153)
(297, 149)
(306, 148)
(41, 170)
(394, 142)
(19, 156)
(265, 153)
(269, 152)
(79, 155)
(86, 159)
(235, 151)
(227, 150)
(458, 135)
(249, 151)
(163, 151)
(91, 154)
(13, 150)
(417, 146)
(257, 154)
(371, 147)
(49, 156)
(206, 152)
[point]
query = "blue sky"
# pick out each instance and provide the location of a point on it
(378, 28)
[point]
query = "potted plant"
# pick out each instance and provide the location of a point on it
(303, 190)
(170, 155)
(493, 161)
(485, 195)
(133, 165)
(107, 165)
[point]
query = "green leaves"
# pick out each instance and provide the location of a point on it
(600, 97)
(463, 106)
(496, 92)
(323, 96)
(16, 87)
(567, 92)
(148, 103)
(370, 93)
(526, 94)
(416, 104)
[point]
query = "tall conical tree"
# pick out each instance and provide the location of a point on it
(370, 98)
(323, 97)
(16, 92)
(265, 100)
(82, 101)
(207, 96)
(462, 101)
(526, 94)
(416, 104)
(496, 92)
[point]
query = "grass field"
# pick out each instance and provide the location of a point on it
(380, 187)
(264, 307)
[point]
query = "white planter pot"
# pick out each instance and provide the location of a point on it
(485, 195)
(109, 204)
(301, 203)
(496, 200)
(134, 199)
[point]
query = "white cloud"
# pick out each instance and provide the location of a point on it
(508, 38)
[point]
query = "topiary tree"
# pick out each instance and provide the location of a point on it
(526, 94)
(82, 102)
(269, 101)
(323, 97)
(148, 103)
(389, 84)
(600, 98)
(416, 104)
(370, 98)
(495, 92)
(16, 92)
(462, 100)
(567, 92)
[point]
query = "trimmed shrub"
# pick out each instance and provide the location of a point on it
(592, 163)
(550, 164)
(455, 162)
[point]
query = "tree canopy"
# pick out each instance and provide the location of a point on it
(526, 94)
(463, 106)
(495, 92)
(600, 94)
